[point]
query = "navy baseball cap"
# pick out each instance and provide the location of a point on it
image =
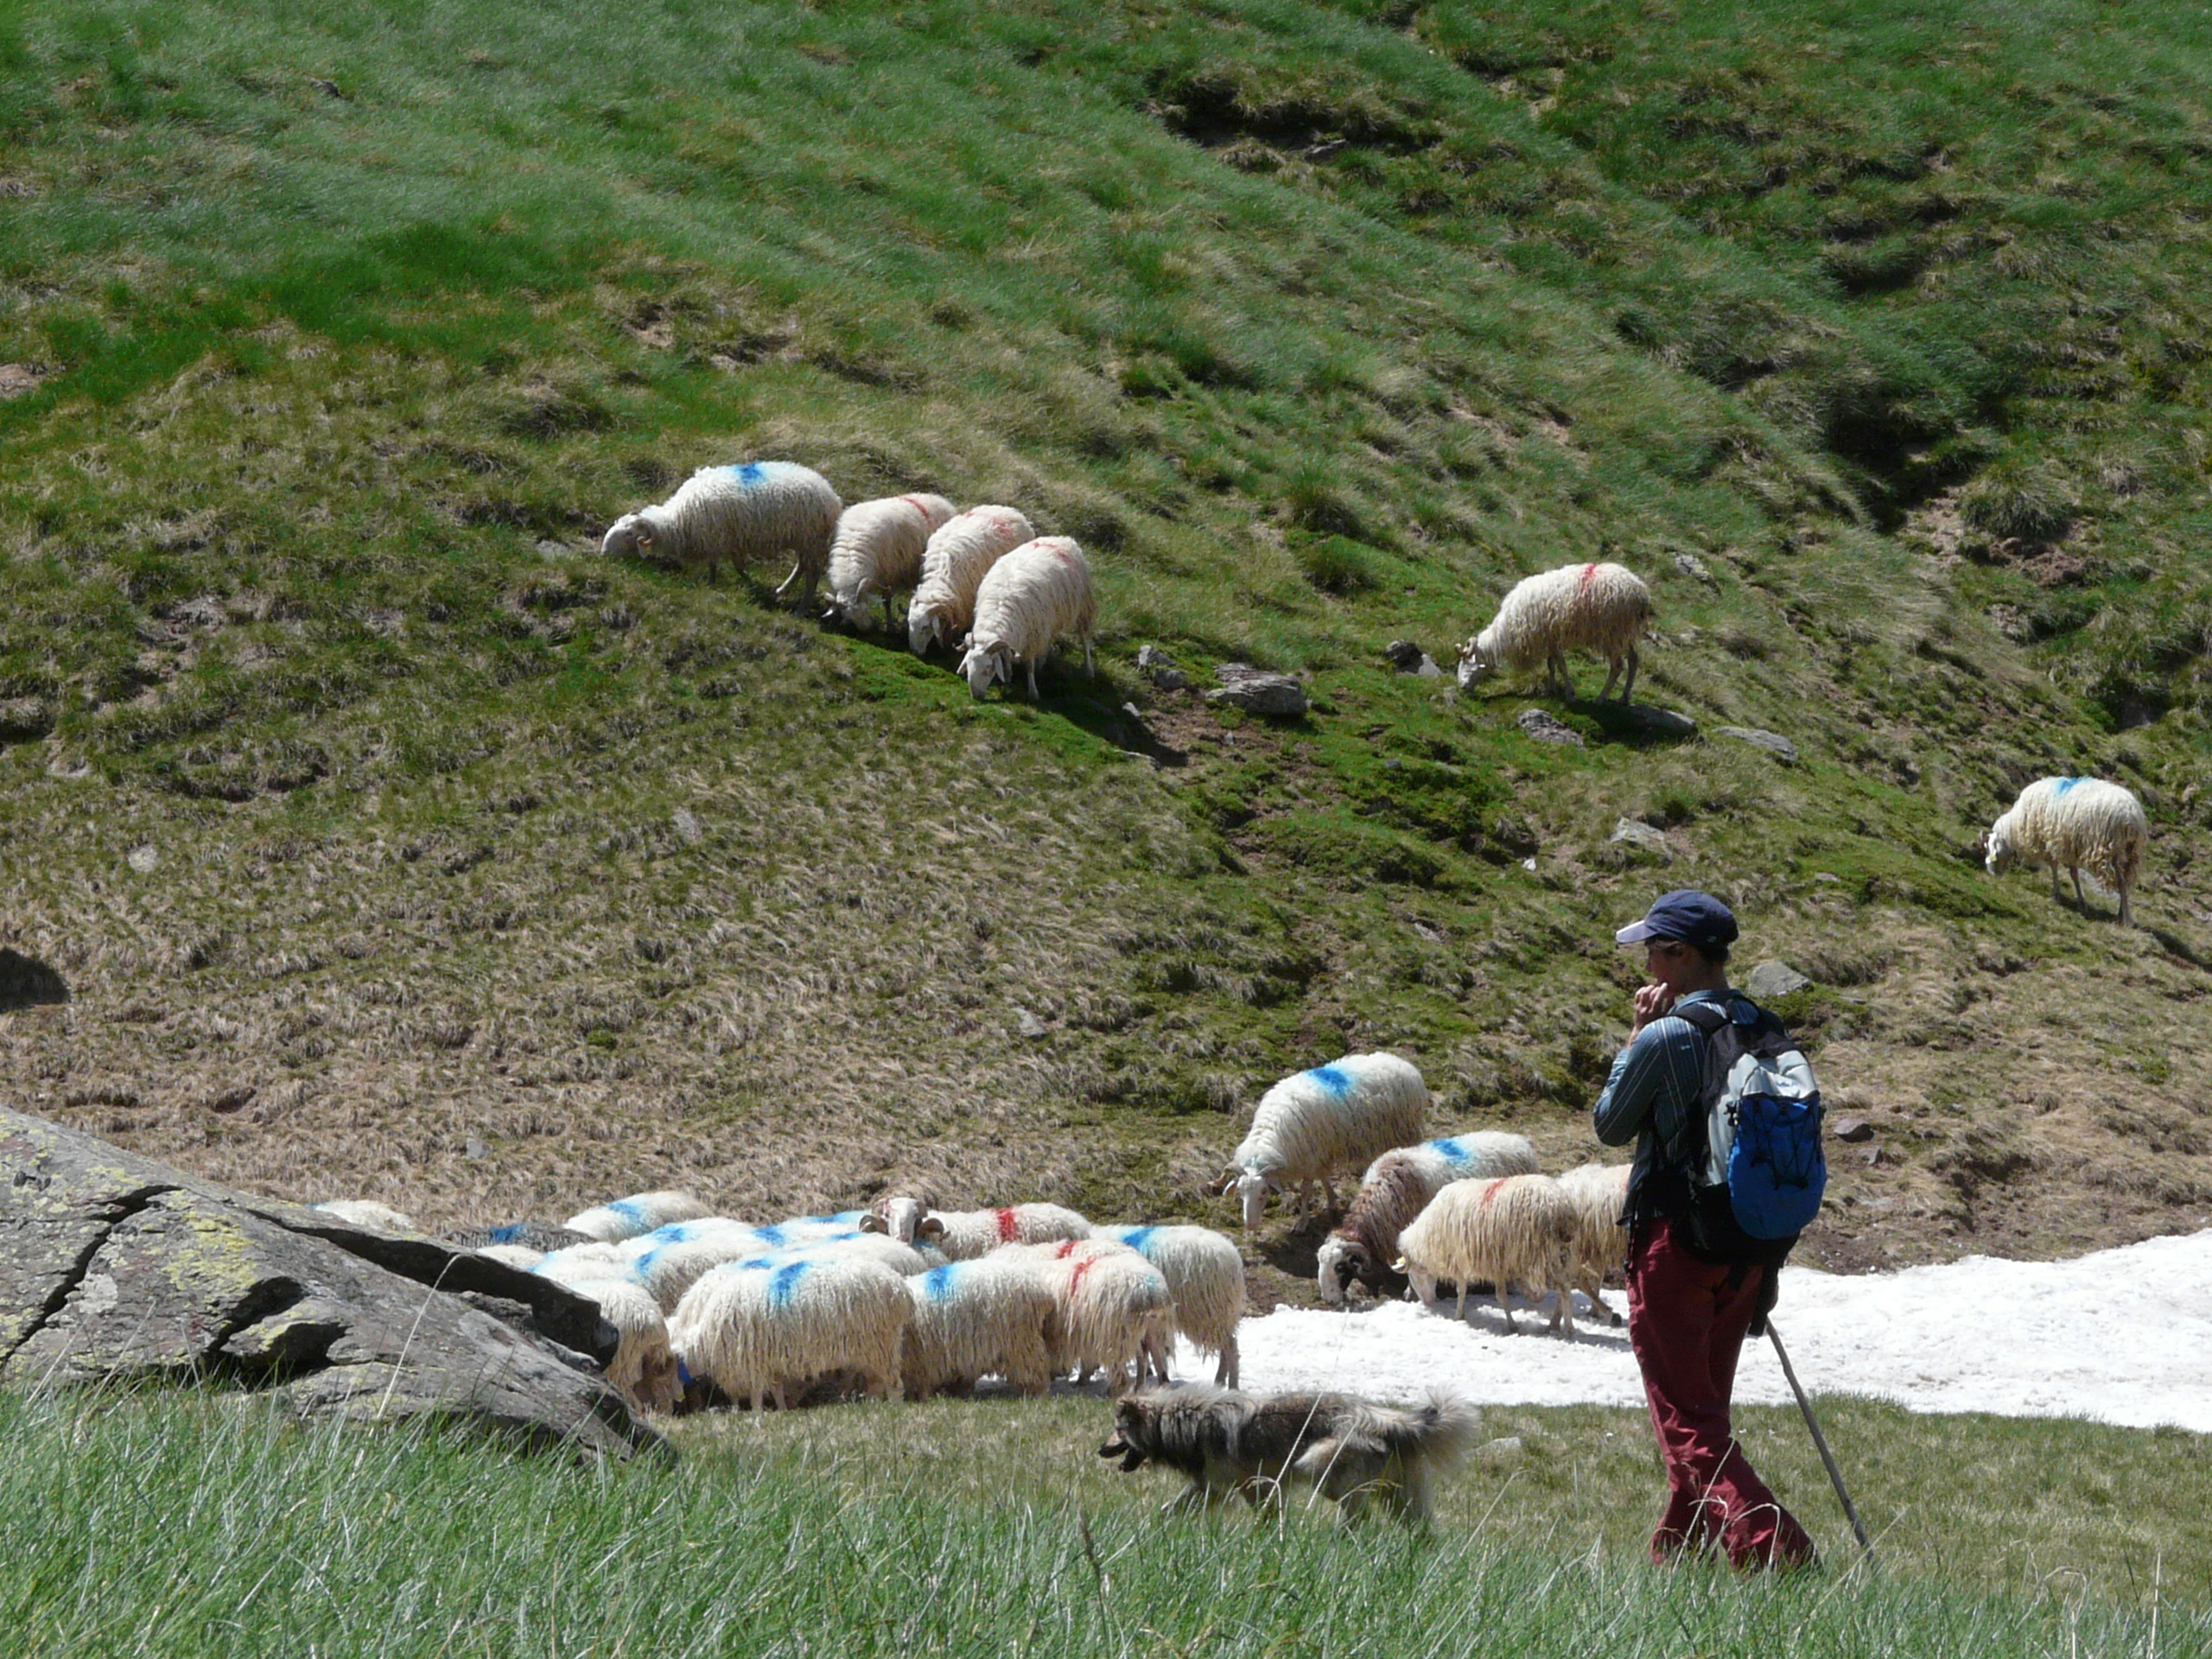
(1695, 918)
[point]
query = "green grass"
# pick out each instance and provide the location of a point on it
(990, 1527)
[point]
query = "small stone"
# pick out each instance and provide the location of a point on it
(143, 859)
(1159, 668)
(472, 1147)
(1853, 1128)
(1258, 691)
(1871, 1156)
(1031, 1026)
(1690, 565)
(1409, 658)
(1636, 833)
(1665, 722)
(1773, 742)
(1771, 980)
(1529, 864)
(1828, 876)
(1545, 727)
(1504, 1450)
(1428, 933)
(550, 549)
(687, 826)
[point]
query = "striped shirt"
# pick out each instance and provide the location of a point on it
(1658, 1085)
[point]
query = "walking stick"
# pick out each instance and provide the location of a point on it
(1835, 1475)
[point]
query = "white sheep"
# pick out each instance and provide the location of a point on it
(942, 608)
(1312, 1123)
(634, 1215)
(1027, 600)
(367, 1212)
(1599, 607)
(770, 1328)
(2073, 825)
(644, 1367)
(1206, 1279)
(1397, 1187)
(877, 550)
(1112, 1308)
(964, 1235)
(679, 1257)
(580, 1263)
(1599, 1245)
(743, 513)
(995, 1317)
(1514, 1228)
(518, 1256)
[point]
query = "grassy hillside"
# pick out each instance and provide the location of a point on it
(362, 832)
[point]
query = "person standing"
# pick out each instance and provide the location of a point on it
(1688, 1316)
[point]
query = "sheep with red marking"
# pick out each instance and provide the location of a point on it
(878, 549)
(743, 514)
(1599, 1244)
(1027, 601)
(1514, 1229)
(1599, 607)
(953, 567)
(1111, 1306)
(964, 1235)
(1397, 1187)
(1311, 1124)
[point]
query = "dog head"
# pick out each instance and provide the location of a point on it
(1131, 1440)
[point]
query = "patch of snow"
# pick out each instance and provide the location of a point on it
(2119, 1336)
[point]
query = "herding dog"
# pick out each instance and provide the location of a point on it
(1349, 1450)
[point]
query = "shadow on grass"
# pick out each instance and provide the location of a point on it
(27, 982)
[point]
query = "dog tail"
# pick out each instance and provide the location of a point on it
(1440, 1429)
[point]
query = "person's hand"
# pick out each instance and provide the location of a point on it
(1651, 1001)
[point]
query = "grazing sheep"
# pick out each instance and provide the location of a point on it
(2073, 825)
(744, 514)
(582, 1263)
(1206, 1279)
(642, 1368)
(630, 1217)
(1600, 608)
(367, 1212)
(1397, 1187)
(878, 549)
(1599, 1245)
(972, 1319)
(964, 1235)
(1027, 600)
(771, 1327)
(1312, 1123)
(1112, 1307)
(942, 608)
(529, 1234)
(1516, 1227)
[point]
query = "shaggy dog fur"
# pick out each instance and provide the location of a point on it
(1349, 1451)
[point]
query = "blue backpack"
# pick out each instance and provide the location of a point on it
(1758, 1181)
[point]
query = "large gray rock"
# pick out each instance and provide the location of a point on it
(1544, 727)
(114, 1266)
(1771, 979)
(1159, 668)
(1259, 692)
(1634, 832)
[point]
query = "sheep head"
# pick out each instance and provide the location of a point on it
(1477, 663)
(1996, 848)
(626, 535)
(984, 664)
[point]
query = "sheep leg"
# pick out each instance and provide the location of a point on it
(1032, 666)
(2057, 892)
(1226, 1373)
(1612, 673)
(1329, 1193)
(2125, 920)
(2080, 901)
(1088, 666)
(1459, 1312)
(1506, 1308)
(1628, 685)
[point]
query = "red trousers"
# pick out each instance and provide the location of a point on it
(1686, 1325)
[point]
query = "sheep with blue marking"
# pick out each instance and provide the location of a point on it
(1027, 601)
(995, 1317)
(1599, 607)
(2073, 825)
(942, 608)
(670, 1261)
(877, 550)
(1205, 1280)
(1396, 1188)
(644, 1367)
(639, 1213)
(770, 1329)
(964, 1235)
(743, 514)
(1341, 1115)
(1514, 1229)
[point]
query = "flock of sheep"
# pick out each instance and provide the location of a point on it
(982, 579)
(985, 582)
